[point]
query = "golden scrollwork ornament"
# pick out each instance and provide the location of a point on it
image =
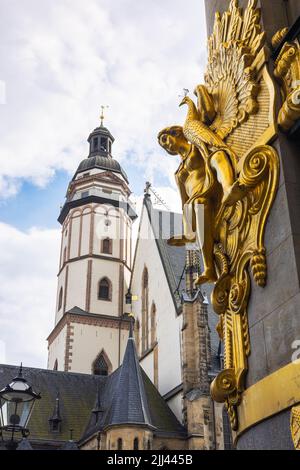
(287, 72)
(295, 426)
(227, 180)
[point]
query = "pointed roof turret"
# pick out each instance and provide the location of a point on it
(129, 404)
(55, 420)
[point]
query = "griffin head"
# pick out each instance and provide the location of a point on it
(185, 100)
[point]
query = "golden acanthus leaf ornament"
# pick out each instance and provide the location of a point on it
(227, 179)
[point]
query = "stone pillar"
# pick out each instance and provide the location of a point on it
(128, 438)
(274, 311)
(197, 404)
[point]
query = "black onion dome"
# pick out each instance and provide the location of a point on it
(101, 162)
(101, 130)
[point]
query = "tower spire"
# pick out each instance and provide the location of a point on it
(102, 114)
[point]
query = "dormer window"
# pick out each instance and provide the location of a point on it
(55, 420)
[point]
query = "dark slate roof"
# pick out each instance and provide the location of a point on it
(89, 403)
(129, 397)
(76, 392)
(101, 130)
(129, 403)
(70, 445)
(101, 162)
(24, 445)
(165, 225)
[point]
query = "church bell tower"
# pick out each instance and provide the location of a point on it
(91, 330)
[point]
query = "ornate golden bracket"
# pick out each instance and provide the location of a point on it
(287, 72)
(242, 243)
(225, 153)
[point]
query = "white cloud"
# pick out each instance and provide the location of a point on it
(27, 293)
(62, 59)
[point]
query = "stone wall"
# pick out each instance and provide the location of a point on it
(273, 311)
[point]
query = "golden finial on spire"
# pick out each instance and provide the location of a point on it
(102, 113)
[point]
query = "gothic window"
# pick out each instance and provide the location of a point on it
(55, 367)
(145, 303)
(104, 289)
(60, 298)
(136, 444)
(107, 246)
(101, 365)
(226, 431)
(137, 335)
(153, 324)
(120, 444)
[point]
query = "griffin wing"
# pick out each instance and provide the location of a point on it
(198, 133)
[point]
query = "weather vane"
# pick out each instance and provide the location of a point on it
(102, 113)
(185, 93)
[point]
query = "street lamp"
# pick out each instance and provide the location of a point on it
(17, 401)
(128, 297)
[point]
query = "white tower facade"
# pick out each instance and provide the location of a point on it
(91, 327)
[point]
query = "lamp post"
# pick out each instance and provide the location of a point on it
(128, 297)
(17, 400)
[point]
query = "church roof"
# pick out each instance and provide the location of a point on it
(173, 258)
(90, 403)
(101, 162)
(129, 402)
(130, 397)
(165, 225)
(76, 396)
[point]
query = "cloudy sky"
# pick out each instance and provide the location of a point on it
(60, 60)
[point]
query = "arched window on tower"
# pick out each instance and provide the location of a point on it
(120, 444)
(106, 246)
(103, 144)
(55, 367)
(153, 324)
(60, 299)
(136, 444)
(145, 309)
(95, 143)
(104, 289)
(102, 365)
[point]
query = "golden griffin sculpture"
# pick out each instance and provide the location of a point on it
(227, 180)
